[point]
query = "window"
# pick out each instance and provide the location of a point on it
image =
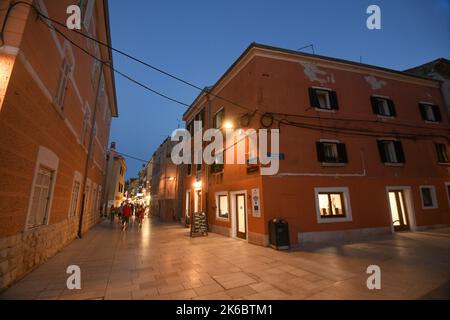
(86, 8)
(447, 187)
(391, 151)
(218, 119)
(92, 207)
(189, 169)
(41, 198)
(428, 196)
(120, 187)
(86, 119)
(430, 112)
(383, 106)
(324, 99)
(331, 152)
(121, 170)
(201, 116)
(222, 205)
(441, 150)
(64, 74)
(332, 204)
(74, 199)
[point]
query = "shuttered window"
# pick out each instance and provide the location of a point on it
(331, 152)
(323, 99)
(331, 204)
(383, 107)
(391, 151)
(64, 74)
(41, 198)
(74, 199)
(442, 154)
(430, 112)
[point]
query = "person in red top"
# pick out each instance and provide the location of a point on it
(126, 213)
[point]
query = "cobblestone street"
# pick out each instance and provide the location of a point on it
(161, 261)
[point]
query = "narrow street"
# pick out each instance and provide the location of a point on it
(162, 261)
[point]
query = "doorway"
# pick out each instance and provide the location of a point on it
(197, 200)
(399, 210)
(187, 212)
(241, 216)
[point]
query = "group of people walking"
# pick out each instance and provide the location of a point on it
(125, 212)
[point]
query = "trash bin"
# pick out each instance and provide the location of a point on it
(279, 234)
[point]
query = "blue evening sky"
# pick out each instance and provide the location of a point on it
(199, 39)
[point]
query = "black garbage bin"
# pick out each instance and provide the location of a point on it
(279, 234)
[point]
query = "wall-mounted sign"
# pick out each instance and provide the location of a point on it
(256, 203)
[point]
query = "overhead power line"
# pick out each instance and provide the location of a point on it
(283, 120)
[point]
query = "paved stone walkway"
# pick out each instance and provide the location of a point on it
(161, 261)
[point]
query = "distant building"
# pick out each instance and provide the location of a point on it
(115, 178)
(438, 69)
(54, 135)
(132, 187)
(165, 184)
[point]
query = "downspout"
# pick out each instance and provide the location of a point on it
(88, 156)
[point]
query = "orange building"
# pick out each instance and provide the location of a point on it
(363, 149)
(49, 124)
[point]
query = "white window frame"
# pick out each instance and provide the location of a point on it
(77, 177)
(216, 196)
(48, 159)
(63, 81)
(433, 197)
(347, 204)
(447, 192)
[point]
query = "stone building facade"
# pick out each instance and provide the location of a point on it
(53, 149)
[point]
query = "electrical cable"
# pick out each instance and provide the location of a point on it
(281, 121)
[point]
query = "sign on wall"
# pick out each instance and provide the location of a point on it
(256, 203)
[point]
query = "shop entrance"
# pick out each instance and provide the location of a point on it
(399, 211)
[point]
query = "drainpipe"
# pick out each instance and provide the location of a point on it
(88, 156)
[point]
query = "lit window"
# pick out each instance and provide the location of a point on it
(331, 204)
(222, 206)
(62, 83)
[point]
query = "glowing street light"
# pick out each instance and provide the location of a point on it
(197, 184)
(228, 124)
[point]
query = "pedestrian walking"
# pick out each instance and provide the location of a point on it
(112, 212)
(126, 213)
